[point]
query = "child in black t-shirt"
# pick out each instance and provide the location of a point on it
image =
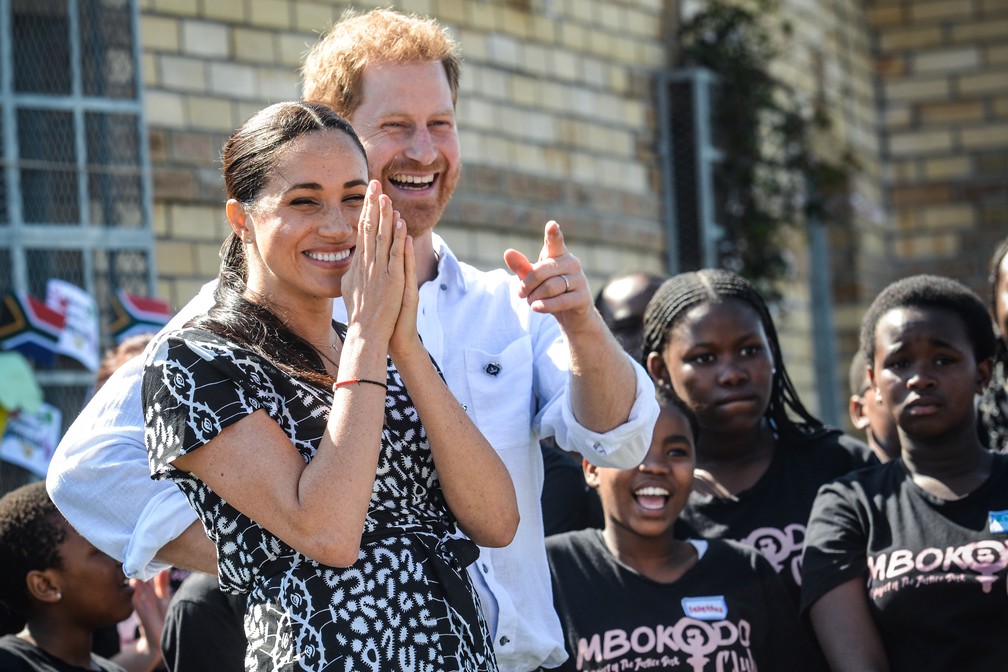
(60, 586)
(905, 563)
(710, 339)
(631, 596)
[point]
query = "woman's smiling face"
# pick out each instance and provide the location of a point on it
(304, 220)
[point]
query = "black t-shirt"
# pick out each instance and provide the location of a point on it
(18, 655)
(935, 570)
(771, 516)
(203, 629)
(728, 612)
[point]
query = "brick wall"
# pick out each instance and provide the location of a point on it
(555, 118)
(943, 94)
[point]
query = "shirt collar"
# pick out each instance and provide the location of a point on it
(449, 270)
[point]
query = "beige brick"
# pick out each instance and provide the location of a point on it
(504, 51)
(451, 11)
(574, 37)
(174, 258)
(159, 33)
(271, 13)
(183, 74)
(164, 109)
(886, 15)
(149, 71)
(947, 60)
(211, 114)
(292, 48)
(197, 222)
(582, 11)
(544, 29)
(160, 220)
(184, 289)
(233, 80)
(917, 89)
(277, 84)
(988, 82)
(425, 7)
(202, 38)
(474, 47)
(255, 46)
(483, 17)
(208, 259)
(313, 17)
(229, 11)
(524, 90)
(564, 65)
(936, 169)
(163, 289)
(474, 113)
(948, 216)
(516, 23)
(528, 158)
(1001, 107)
(493, 83)
(966, 110)
(985, 137)
(997, 54)
(980, 31)
(940, 10)
(911, 38)
(178, 7)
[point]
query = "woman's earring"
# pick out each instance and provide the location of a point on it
(248, 239)
(59, 596)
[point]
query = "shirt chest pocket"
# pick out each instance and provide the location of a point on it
(500, 389)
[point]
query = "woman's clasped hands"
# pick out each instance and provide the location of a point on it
(380, 289)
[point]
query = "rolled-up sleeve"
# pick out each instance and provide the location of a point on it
(99, 478)
(622, 447)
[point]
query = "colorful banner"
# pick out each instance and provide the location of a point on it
(137, 315)
(30, 327)
(80, 336)
(30, 439)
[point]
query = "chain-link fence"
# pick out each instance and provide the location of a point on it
(74, 175)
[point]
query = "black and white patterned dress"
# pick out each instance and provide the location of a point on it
(406, 604)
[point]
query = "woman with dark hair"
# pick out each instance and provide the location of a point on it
(905, 564)
(993, 406)
(329, 463)
(761, 456)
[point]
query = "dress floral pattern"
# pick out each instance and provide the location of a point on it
(406, 604)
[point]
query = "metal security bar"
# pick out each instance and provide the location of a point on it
(689, 155)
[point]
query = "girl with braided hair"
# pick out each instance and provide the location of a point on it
(761, 456)
(993, 405)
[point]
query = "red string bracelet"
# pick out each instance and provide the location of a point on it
(357, 381)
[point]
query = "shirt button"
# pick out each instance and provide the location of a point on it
(484, 567)
(504, 640)
(444, 286)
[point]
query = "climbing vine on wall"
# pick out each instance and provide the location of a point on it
(770, 180)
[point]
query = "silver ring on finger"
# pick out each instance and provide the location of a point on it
(566, 283)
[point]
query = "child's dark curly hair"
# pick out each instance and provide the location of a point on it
(932, 291)
(31, 529)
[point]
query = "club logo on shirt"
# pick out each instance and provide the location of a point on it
(711, 608)
(782, 548)
(981, 562)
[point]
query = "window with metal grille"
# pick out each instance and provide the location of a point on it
(75, 201)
